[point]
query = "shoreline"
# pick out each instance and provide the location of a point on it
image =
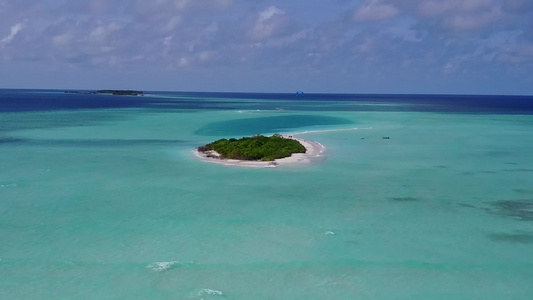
(314, 154)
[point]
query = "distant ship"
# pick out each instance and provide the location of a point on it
(299, 93)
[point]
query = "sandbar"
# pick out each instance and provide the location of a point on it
(314, 154)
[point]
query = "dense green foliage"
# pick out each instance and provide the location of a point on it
(255, 148)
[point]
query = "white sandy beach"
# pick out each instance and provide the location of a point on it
(314, 153)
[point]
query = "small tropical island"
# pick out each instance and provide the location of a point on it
(258, 147)
(108, 92)
(262, 151)
(121, 92)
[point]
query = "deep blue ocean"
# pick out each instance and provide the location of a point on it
(102, 197)
(49, 100)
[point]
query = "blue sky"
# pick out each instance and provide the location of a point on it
(334, 46)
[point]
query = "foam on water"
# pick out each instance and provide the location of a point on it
(165, 265)
(201, 293)
(331, 130)
(9, 185)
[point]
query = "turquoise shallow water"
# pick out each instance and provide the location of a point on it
(111, 204)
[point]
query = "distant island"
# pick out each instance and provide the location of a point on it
(109, 92)
(81, 92)
(121, 92)
(256, 148)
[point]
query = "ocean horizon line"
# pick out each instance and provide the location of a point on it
(363, 94)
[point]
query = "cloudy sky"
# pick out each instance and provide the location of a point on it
(337, 46)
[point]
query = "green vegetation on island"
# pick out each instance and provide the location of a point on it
(121, 92)
(258, 147)
(80, 92)
(108, 92)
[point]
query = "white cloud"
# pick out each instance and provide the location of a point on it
(205, 56)
(519, 54)
(15, 29)
(461, 15)
(366, 46)
(223, 3)
(442, 7)
(375, 10)
(183, 62)
(477, 20)
(62, 39)
(435, 8)
(289, 39)
(268, 22)
(163, 9)
(168, 41)
(173, 23)
(196, 59)
(101, 32)
(450, 68)
(181, 4)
